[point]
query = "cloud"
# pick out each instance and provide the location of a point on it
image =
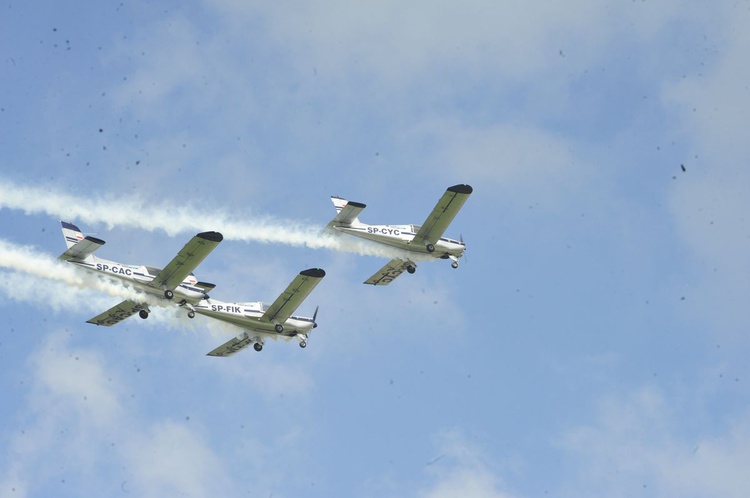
(79, 427)
(462, 469)
(170, 459)
(708, 201)
(638, 442)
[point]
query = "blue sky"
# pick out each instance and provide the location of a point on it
(595, 343)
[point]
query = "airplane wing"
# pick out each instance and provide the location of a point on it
(348, 211)
(440, 217)
(186, 260)
(118, 313)
(232, 346)
(289, 300)
(389, 272)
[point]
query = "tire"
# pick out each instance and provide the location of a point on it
(143, 314)
(430, 248)
(168, 294)
(303, 344)
(191, 314)
(258, 347)
(279, 328)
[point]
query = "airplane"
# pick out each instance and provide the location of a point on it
(260, 320)
(419, 240)
(175, 282)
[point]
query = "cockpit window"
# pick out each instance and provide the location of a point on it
(153, 271)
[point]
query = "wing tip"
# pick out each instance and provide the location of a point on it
(313, 272)
(95, 240)
(356, 204)
(461, 189)
(211, 236)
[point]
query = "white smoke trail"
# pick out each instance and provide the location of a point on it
(26, 260)
(136, 213)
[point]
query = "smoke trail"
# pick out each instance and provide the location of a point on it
(26, 260)
(136, 213)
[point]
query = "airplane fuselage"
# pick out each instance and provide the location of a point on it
(401, 236)
(248, 316)
(140, 276)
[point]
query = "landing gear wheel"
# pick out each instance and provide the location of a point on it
(168, 294)
(302, 344)
(143, 314)
(430, 248)
(258, 346)
(279, 328)
(454, 264)
(411, 269)
(191, 314)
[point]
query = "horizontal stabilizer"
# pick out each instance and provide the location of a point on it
(348, 211)
(206, 286)
(82, 249)
(79, 247)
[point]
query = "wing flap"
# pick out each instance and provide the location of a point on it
(186, 260)
(442, 215)
(297, 291)
(389, 272)
(117, 313)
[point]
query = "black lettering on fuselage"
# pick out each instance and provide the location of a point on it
(220, 308)
(117, 270)
(384, 231)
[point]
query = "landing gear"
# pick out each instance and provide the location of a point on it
(278, 328)
(430, 248)
(454, 259)
(143, 314)
(168, 294)
(454, 264)
(303, 344)
(191, 314)
(411, 268)
(258, 347)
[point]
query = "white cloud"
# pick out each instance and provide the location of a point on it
(638, 442)
(462, 469)
(709, 200)
(79, 423)
(170, 459)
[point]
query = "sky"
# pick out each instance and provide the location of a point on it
(594, 341)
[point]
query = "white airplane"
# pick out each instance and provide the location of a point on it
(421, 240)
(260, 320)
(175, 282)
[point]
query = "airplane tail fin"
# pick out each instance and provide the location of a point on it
(71, 233)
(79, 247)
(347, 212)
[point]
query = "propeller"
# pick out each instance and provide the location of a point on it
(461, 238)
(315, 316)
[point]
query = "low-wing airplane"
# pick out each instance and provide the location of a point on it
(175, 282)
(421, 240)
(260, 320)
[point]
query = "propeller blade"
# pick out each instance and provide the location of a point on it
(315, 316)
